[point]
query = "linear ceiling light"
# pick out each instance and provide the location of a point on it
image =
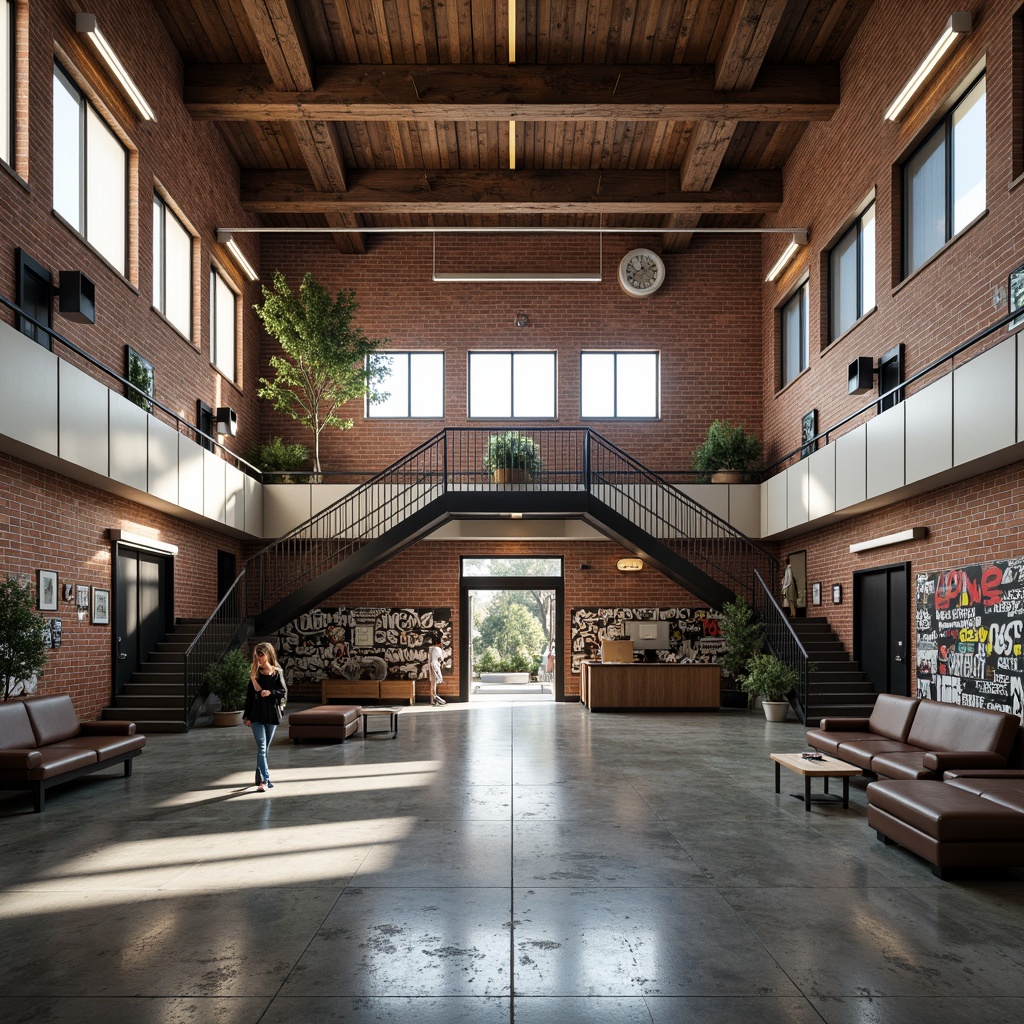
(799, 239)
(227, 240)
(86, 25)
(959, 24)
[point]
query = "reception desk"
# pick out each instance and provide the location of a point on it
(640, 684)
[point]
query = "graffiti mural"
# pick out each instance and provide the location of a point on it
(970, 632)
(362, 643)
(695, 634)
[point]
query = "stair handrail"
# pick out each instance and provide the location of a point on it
(679, 518)
(225, 628)
(782, 641)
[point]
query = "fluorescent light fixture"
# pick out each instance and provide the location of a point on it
(227, 240)
(959, 24)
(915, 533)
(511, 145)
(86, 25)
(798, 240)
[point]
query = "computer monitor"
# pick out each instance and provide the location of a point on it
(648, 634)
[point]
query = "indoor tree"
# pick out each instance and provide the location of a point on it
(327, 360)
(22, 645)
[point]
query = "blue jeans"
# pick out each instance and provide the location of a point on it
(264, 733)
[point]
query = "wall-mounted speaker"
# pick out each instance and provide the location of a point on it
(227, 421)
(861, 376)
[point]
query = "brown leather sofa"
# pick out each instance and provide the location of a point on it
(908, 738)
(42, 744)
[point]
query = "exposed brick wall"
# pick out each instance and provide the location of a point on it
(50, 522)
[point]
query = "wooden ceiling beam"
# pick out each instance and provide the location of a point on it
(510, 192)
(522, 92)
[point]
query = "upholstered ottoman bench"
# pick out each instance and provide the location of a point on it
(326, 722)
(947, 826)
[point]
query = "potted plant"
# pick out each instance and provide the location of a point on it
(512, 457)
(228, 679)
(279, 457)
(772, 681)
(22, 646)
(727, 454)
(743, 637)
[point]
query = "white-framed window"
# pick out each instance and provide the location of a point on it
(6, 80)
(414, 386)
(944, 180)
(223, 324)
(795, 347)
(172, 267)
(619, 385)
(512, 385)
(851, 274)
(90, 172)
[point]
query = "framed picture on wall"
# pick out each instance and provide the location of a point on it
(837, 593)
(808, 433)
(815, 593)
(1015, 292)
(47, 590)
(100, 607)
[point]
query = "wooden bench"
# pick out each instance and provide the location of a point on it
(352, 691)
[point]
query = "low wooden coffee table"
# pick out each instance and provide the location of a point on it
(391, 713)
(826, 768)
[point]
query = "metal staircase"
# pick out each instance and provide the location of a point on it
(582, 475)
(836, 685)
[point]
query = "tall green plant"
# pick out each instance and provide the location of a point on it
(22, 646)
(228, 679)
(327, 359)
(743, 637)
(726, 448)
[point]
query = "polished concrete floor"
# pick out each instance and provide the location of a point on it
(534, 864)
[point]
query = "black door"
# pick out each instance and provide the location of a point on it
(143, 606)
(881, 616)
(226, 573)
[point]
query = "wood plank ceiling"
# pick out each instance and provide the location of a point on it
(395, 113)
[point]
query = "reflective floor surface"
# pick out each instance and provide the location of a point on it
(523, 864)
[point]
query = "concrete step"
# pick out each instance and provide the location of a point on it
(164, 658)
(155, 702)
(167, 678)
(839, 674)
(144, 688)
(135, 713)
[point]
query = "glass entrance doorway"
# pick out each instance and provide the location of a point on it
(511, 610)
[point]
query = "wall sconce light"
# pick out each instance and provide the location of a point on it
(87, 26)
(227, 421)
(521, 320)
(798, 240)
(915, 533)
(629, 564)
(77, 297)
(860, 376)
(226, 239)
(959, 24)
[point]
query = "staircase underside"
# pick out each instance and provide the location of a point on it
(569, 504)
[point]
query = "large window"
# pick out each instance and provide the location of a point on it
(851, 266)
(795, 348)
(512, 385)
(619, 385)
(172, 267)
(223, 331)
(414, 386)
(944, 180)
(90, 172)
(6, 80)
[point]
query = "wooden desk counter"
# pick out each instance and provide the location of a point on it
(642, 684)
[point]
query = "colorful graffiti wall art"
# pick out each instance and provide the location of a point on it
(970, 633)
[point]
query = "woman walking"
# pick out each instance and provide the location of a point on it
(263, 707)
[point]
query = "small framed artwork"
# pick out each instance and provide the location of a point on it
(47, 590)
(81, 597)
(362, 636)
(815, 593)
(808, 434)
(837, 593)
(100, 607)
(1015, 291)
(67, 591)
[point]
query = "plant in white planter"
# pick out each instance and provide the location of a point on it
(772, 681)
(228, 679)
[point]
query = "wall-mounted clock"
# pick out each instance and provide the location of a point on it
(641, 273)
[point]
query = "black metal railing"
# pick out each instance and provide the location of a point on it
(782, 641)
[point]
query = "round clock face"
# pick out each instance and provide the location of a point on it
(641, 272)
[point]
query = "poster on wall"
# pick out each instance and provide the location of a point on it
(694, 634)
(970, 632)
(362, 643)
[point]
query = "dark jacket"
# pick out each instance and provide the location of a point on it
(265, 709)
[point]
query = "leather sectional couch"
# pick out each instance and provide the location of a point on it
(42, 744)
